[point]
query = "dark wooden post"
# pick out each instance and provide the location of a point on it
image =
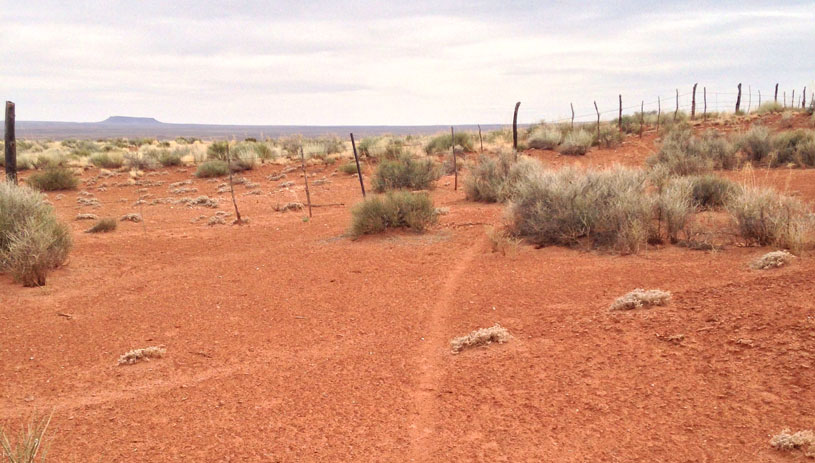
(238, 220)
(572, 106)
(704, 93)
(804, 99)
(693, 103)
(676, 112)
(305, 178)
(480, 140)
(515, 129)
(455, 161)
(792, 99)
(598, 120)
(10, 145)
(776, 93)
(642, 116)
(359, 171)
(759, 99)
(738, 99)
(659, 111)
(620, 117)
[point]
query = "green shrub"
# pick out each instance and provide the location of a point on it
(32, 240)
(711, 191)
(764, 217)
(405, 173)
(56, 178)
(365, 147)
(544, 137)
(770, 107)
(441, 143)
(631, 123)
(714, 146)
(349, 168)
(107, 160)
(683, 154)
(171, 158)
(756, 143)
(217, 150)
(103, 226)
(608, 208)
(397, 209)
(490, 180)
(576, 142)
(213, 168)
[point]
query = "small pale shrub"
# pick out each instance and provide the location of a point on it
(146, 353)
(675, 207)
(349, 168)
(487, 178)
(774, 259)
(770, 107)
(405, 173)
(396, 209)
(107, 160)
(794, 147)
(212, 169)
(765, 217)
(641, 298)
(788, 440)
(53, 179)
(217, 150)
(544, 137)
(105, 225)
(139, 161)
(711, 191)
(501, 241)
(576, 142)
(480, 337)
(680, 154)
(756, 143)
(441, 143)
(610, 137)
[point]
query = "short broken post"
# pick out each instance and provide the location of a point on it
(480, 140)
(455, 162)
(620, 117)
(515, 129)
(804, 99)
(572, 106)
(598, 119)
(238, 220)
(305, 178)
(10, 145)
(359, 171)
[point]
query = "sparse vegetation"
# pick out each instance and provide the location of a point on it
(544, 137)
(32, 241)
(31, 444)
(788, 441)
(711, 191)
(137, 355)
(501, 241)
(576, 142)
(107, 160)
(405, 173)
(349, 168)
(441, 143)
(675, 206)
(765, 217)
(397, 209)
(494, 179)
(212, 169)
(641, 298)
(105, 225)
(770, 107)
(756, 143)
(682, 153)
(774, 259)
(53, 179)
(480, 337)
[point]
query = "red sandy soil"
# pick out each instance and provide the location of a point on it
(288, 341)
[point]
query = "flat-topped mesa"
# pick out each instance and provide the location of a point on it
(130, 120)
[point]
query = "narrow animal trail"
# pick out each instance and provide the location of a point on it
(429, 362)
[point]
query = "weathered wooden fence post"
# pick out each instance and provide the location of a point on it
(620, 117)
(480, 140)
(792, 99)
(642, 117)
(693, 103)
(359, 171)
(10, 145)
(676, 112)
(515, 129)
(455, 161)
(785, 98)
(572, 106)
(598, 119)
(776, 93)
(659, 111)
(804, 99)
(738, 99)
(305, 178)
(759, 99)
(704, 95)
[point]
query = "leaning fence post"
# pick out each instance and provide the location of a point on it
(620, 117)
(676, 112)
(515, 129)
(572, 106)
(738, 98)
(305, 178)
(10, 145)
(693, 103)
(455, 161)
(598, 120)
(704, 93)
(804, 99)
(480, 140)
(359, 171)
(776, 93)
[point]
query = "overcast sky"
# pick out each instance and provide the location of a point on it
(390, 63)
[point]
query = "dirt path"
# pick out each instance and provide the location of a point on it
(429, 361)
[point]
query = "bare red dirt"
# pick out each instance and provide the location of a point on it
(287, 341)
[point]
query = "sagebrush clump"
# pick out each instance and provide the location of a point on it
(145, 353)
(765, 217)
(576, 142)
(641, 298)
(480, 337)
(442, 143)
(405, 173)
(788, 440)
(396, 209)
(105, 225)
(774, 259)
(53, 179)
(212, 169)
(32, 241)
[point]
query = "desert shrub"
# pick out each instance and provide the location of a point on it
(108, 160)
(788, 440)
(24, 161)
(765, 217)
(674, 206)
(680, 155)
(449, 165)
(794, 147)
(712, 145)
(774, 259)
(607, 208)
(756, 143)
(576, 142)
(31, 444)
(480, 337)
(711, 191)
(349, 168)
(81, 148)
(631, 123)
(217, 150)
(405, 173)
(142, 141)
(50, 158)
(787, 120)
(609, 137)
(641, 298)
(213, 168)
(103, 226)
(395, 209)
(770, 107)
(502, 241)
(171, 158)
(495, 179)
(544, 137)
(365, 147)
(138, 161)
(145, 353)
(32, 240)
(56, 178)
(441, 143)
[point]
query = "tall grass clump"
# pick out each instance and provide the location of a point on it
(32, 240)
(765, 217)
(674, 207)
(405, 173)
(770, 107)
(604, 208)
(213, 168)
(395, 209)
(544, 137)
(30, 444)
(576, 142)
(442, 143)
(53, 179)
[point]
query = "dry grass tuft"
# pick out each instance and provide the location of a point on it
(480, 337)
(137, 355)
(502, 241)
(132, 217)
(105, 225)
(773, 259)
(641, 298)
(30, 442)
(787, 440)
(87, 217)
